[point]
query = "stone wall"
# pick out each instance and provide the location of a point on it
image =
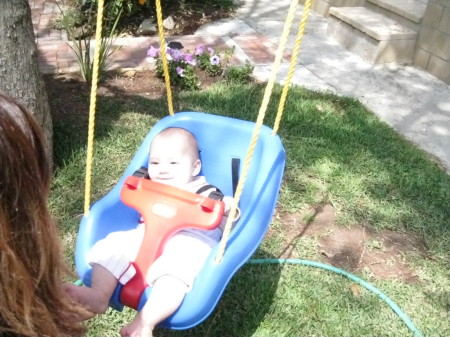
(433, 42)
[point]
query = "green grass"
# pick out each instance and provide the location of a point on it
(338, 153)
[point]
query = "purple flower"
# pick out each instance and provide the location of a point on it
(177, 55)
(169, 50)
(215, 60)
(210, 51)
(180, 71)
(189, 59)
(199, 50)
(153, 52)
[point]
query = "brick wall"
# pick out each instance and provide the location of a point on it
(433, 42)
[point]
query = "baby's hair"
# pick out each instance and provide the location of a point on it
(186, 136)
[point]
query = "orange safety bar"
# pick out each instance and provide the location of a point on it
(166, 210)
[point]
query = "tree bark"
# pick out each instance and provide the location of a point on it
(19, 71)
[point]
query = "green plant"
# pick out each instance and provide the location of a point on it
(115, 7)
(239, 74)
(181, 74)
(71, 17)
(182, 65)
(81, 45)
(186, 79)
(207, 5)
(211, 60)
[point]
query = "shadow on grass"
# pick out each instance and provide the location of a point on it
(365, 169)
(242, 307)
(318, 129)
(372, 173)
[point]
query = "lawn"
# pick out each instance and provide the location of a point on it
(340, 157)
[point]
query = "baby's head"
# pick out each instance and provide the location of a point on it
(174, 157)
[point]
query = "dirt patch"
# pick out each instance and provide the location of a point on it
(353, 249)
(69, 93)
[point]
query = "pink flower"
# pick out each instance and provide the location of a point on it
(176, 55)
(199, 50)
(215, 60)
(189, 59)
(153, 52)
(180, 71)
(210, 51)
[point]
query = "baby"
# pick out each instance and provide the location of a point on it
(174, 160)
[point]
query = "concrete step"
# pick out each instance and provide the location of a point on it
(323, 6)
(372, 35)
(373, 24)
(413, 10)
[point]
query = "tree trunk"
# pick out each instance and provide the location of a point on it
(19, 70)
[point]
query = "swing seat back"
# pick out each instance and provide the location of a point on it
(221, 140)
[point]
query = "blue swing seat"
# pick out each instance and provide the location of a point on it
(220, 140)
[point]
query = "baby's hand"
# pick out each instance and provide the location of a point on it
(228, 202)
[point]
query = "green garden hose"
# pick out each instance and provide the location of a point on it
(352, 277)
(404, 317)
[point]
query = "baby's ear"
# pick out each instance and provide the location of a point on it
(197, 168)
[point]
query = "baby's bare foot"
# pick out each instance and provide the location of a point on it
(92, 299)
(137, 328)
(74, 292)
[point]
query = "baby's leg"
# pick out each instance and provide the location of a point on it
(167, 294)
(95, 298)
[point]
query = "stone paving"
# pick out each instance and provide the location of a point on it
(56, 56)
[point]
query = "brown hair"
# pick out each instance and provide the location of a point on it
(32, 298)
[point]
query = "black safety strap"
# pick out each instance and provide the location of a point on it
(215, 195)
(141, 173)
(235, 164)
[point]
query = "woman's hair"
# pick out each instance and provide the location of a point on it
(32, 298)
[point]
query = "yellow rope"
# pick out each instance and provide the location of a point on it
(93, 102)
(295, 52)
(162, 43)
(258, 125)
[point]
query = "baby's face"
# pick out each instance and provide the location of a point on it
(170, 163)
